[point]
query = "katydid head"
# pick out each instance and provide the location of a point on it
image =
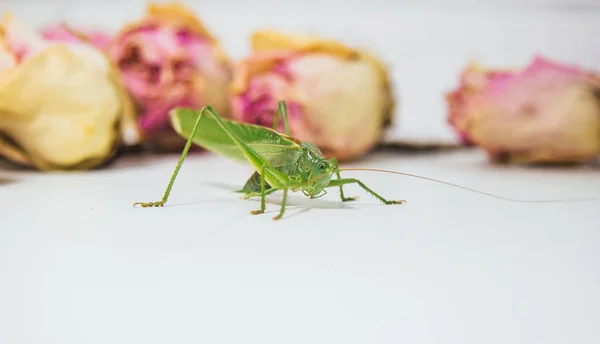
(320, 174)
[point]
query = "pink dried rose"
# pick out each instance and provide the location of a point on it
(61, 104)
(546, 113)
(169, 59)
(337, 97)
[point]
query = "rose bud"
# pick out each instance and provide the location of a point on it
(546, 113)
(338, 98)
(61, 105)
(169, 59)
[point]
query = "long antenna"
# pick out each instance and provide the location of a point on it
(466, 188)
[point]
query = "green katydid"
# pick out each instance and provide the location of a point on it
(281, 162)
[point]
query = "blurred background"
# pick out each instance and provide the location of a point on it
(425, 43)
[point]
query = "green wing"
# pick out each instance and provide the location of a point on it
(276, 148)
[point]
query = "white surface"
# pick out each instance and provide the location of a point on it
(79, 264)
(426, 45)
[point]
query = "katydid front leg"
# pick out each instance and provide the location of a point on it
(344, 199)
(344, 181)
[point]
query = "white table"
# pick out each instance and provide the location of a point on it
(79, 264)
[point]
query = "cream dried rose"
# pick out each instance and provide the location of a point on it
(61, 104)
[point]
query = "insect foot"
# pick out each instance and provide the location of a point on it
(395, 202)
(349, 199)
(150, 204)
(256, 212)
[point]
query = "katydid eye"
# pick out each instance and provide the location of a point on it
(322, 166)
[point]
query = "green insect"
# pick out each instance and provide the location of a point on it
(281, 161)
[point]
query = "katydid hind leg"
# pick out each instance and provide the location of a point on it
(282, 112)
(344, 198)
(253, 157)
(282, 109)
(346, 181)
(177, 167)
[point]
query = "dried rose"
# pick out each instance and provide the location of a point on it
(61, 105)
(338, 98)
(546, 113)
(169, 59)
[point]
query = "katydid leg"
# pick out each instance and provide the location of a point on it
(283, 203)
(251, 154)
(254, 157)
(188, 144)
(345, 181)
(281, 112)
(344, 199)
(262, 194)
